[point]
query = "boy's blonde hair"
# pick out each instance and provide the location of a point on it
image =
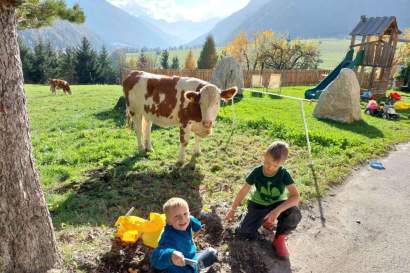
(278, 150)
(172, 203)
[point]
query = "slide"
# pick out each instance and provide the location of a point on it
(347, 62)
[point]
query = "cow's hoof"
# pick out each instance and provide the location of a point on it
(197, 153)
(149, 150)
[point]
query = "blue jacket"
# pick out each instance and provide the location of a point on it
(171, 240)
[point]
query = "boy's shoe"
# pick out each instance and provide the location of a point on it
(279, 244)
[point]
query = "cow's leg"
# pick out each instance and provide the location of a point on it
(53, 90)
(137, 121)
(197, 148)
(184, 139)
(147, 134)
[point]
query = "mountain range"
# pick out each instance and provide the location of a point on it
(130, 25)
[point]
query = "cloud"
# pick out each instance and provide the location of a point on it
(176, 10)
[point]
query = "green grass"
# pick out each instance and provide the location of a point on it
(92, 173)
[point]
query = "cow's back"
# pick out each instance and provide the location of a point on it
(159, 98)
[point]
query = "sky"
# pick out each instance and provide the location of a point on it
(193, 10)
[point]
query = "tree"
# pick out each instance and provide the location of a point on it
(142, 62)
(39, 63)
(27, 237)
(66, 65)
(208, 57)
(189, 61)
(105, 72)
(164, 59)
(238, 49)
(86, 63)
(175, 63)
(51, 62)
(27, 57)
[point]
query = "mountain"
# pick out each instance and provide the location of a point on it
(62, 34)
(120, 28)
(306, 19)
(185, 30)
(105, 24)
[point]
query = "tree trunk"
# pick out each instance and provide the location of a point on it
(27, 242)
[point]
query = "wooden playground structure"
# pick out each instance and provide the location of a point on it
(379, 37)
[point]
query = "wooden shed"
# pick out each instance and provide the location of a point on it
(379, 37)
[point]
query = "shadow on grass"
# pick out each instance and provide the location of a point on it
(358, 127)
(107, 193)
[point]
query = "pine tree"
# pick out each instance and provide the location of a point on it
(164, 59)
(86, 63)
(106, 73)
(51, 62)
(208, 57)
(66, 65)
(23, 208)
(189, 61)
(26, 56)
(39, 63)
(175, 63)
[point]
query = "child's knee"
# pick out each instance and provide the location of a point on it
(294, 215)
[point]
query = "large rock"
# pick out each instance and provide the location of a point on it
(228, 72)
(340, 101)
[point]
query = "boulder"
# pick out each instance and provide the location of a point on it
(340, 100)
(228, 72)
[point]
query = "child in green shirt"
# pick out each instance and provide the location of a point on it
(274, 197)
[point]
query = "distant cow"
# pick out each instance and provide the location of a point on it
(59, 84)
(191, 103)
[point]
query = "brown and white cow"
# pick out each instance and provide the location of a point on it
(59, 84)
(191, 103)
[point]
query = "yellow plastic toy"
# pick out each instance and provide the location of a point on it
(402, 105)
(131, 228)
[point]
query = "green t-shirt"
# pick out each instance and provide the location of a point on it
(268, 189)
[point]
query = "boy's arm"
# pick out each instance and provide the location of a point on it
(292, 201)
(238, 199)
(161, 257)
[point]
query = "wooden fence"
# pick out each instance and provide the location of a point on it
(289, 77)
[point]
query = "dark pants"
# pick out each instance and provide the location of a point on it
(205, 258)
(253, 219)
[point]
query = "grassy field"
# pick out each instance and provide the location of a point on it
(332, 53)
(91, 172)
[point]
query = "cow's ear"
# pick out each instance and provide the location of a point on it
(192, 96)
(229, 93)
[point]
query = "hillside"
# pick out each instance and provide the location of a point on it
(106, 24)
(306, 19)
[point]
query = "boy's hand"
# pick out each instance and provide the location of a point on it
(230, 215)
(178, 258)
(271, 217)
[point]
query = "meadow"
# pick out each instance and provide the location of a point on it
(92, 173)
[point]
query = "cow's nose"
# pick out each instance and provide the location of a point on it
(207, 124)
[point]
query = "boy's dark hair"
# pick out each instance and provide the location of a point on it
(278, 150)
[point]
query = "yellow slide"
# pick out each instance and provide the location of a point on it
(402, 105)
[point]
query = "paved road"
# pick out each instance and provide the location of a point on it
(367, 227)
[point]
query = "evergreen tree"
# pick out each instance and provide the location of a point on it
(66, 65)
(175, 63)
(26, 56)
(51, 62)
(86, 63)
(39, 63)
(21, 194)
(106, 73)
(208, 57)
(164, 59)
(189, 61)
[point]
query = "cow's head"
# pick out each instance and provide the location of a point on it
(209, 98)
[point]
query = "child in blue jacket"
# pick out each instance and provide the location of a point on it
(176, 251)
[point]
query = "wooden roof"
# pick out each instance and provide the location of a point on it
(376, 26)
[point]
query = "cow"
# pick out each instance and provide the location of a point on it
(190, 103)
(59, 84)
